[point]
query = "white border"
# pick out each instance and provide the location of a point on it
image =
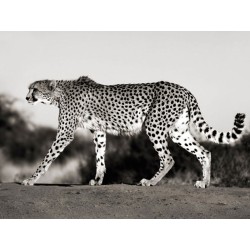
(135, 15)
(124, 234)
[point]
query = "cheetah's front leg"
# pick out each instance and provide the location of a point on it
(57, 147)
(100, 147)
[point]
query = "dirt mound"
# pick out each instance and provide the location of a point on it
(122, 201)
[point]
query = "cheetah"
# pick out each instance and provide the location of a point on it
(164, 109)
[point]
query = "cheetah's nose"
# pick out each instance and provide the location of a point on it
(27, 98)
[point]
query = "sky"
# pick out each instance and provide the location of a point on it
(214, 66)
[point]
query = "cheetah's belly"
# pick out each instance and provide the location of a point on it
(129, 126)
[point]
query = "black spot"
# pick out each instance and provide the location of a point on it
(201, 124)
(237, 131)
(221, 138)
(238, 125)
(234, 136)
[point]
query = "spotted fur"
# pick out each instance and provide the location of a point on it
(165, 109)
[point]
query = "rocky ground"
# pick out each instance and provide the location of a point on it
(122, 201)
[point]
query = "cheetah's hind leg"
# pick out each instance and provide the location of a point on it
(186, 140)
(166, 160)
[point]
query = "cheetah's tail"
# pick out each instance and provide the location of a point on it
(213, 135)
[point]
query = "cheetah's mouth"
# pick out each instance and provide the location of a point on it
(33, 101)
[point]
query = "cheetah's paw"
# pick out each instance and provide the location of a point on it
(201, 184)
(28, 182)
(144, 182)
(95, 183)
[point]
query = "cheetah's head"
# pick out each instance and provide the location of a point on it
(41, 91)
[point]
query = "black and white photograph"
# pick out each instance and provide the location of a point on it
(124, 124)
(136, 124)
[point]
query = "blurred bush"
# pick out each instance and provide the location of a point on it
(128, 159)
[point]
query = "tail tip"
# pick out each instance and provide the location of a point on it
(238, 125)
(240, 117)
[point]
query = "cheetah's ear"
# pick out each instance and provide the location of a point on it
(52, 85)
